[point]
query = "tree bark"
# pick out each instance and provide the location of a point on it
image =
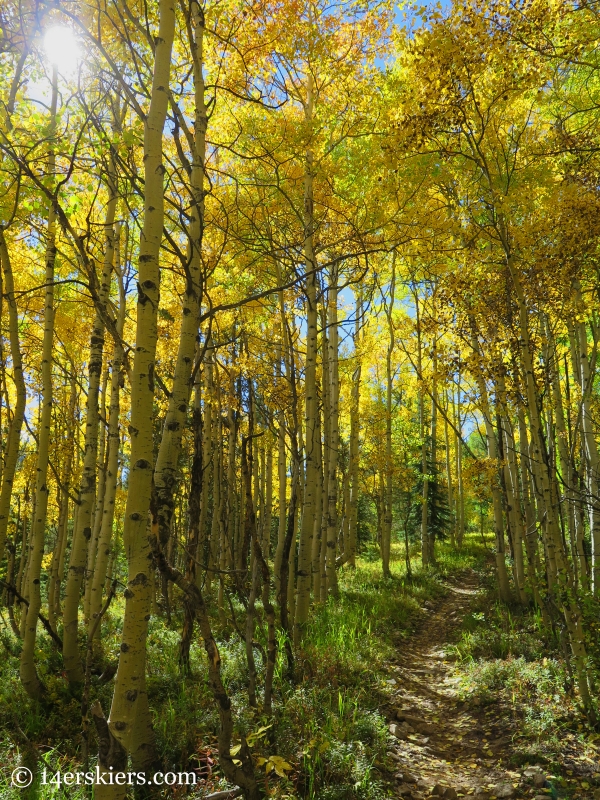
(18, 415)
(27, 671)
(310, 390)
(82, 531)
(130, 683)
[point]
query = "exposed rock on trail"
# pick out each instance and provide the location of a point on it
(442, 747)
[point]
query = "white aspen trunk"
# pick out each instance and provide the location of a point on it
(27, 671)
(106, 543)
(166, 469)
(554, 544)
(354, 437)
(129, 721)
(55, 579)
(82, 531)
(14, 433)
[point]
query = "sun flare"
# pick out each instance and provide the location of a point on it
(62, 49)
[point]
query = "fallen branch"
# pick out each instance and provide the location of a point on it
(45, 622)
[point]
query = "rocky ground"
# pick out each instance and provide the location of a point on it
(443, 747)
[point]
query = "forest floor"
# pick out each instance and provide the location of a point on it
(452, 739)
(418, 687)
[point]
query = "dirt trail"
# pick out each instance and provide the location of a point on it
(442, 747)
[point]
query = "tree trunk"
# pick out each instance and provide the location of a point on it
(57, 569)
(354, 437)
(130, 684)
(16, 423)
(99, 505)
(386, 532)
(310, 388)
(82, 531)
(105, 541)
(167, 460)
(334, 437)
(28, 673)
(492, 444)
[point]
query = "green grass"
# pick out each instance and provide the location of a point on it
(326, 727)
(507, 658)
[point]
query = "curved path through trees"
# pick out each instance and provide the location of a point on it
(444, 747)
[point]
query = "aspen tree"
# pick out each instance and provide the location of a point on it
(250, 527)
(206, 385)
(58, 555)
(449, 470)
(217, 500)
(268, 509)
(193, 523)
(560, 568)
(282, 483)
(334, 434)
(105, 539)
(317, 546)
(566, 478)
(29, 677)
(325, 454)
(310, 375)
(530, 536)
(355, 434)
(458, 447)
(492, 446)
(425, 546)
(82, 531)
(231, 496)
(128, 715)
(99, 503)
(18, 414)
(433, 437)
(593, 463)
(165, 471)
(386, 533)
(507, 456)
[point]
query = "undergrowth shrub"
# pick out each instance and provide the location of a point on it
(327, 727)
